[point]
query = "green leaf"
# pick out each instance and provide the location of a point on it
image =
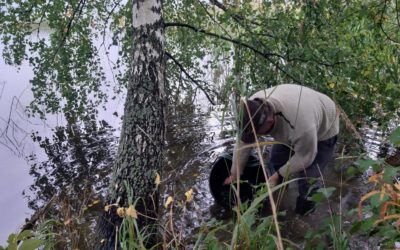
(30, 244)
(376, 200)
(12, 242)
(366, 163)
(321, 246)
(352, 212)
(24, 235)
(317, 197)
(249, 219)
(308, 235)
(327, 192)
(395, 136)
(355, 227)
(389, 174)
(367, 224)
(351, 172)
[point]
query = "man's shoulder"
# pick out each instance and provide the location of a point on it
(274, 91)
(289, 91)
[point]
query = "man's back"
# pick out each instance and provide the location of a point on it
(303, 109)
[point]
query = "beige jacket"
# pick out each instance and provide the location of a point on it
(303, 117)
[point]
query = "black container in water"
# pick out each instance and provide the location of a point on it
(224, 195)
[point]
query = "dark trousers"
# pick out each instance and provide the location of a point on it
(280, 154)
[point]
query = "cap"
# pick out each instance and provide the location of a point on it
(256, 108)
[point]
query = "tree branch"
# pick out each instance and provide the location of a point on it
(190, 77)
(116, 4)
(79, 8)
(212, 18)
(264, 55)
(242, 21)
(381, 24)
(236, 17)
(234, 41)
(397, 14)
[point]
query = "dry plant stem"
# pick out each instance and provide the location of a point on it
(175, 238)
(349, 125)
(271, 198)
(171, 226)
(116, 238)
(238, 192)
(145, 216)
(280, 195)
(329, 203)
(181, 229)
(164, 237)
(341, 187)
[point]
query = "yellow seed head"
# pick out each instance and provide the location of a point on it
(121, 212)
(131, 212)
(169, 201)
(189, 195)
(158, 179)
(107, 208)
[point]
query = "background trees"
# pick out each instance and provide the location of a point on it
(346, 49)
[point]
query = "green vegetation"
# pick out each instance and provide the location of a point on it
(346, 49)
(379, 209)
(23, 241)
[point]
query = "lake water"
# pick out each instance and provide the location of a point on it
(16, 143)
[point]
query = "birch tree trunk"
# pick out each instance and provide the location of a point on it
(139, 156)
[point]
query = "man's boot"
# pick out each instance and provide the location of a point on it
(304, 206)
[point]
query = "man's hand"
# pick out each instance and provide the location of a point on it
(274, 179)
(229, 180)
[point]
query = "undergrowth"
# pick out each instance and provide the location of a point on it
(378, 214)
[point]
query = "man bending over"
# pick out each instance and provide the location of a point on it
(299, 117)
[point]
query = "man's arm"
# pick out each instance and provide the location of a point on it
(305, 148)
(241, 153)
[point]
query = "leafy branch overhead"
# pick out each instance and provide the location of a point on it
(348, 50)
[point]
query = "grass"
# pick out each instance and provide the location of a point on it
(248, 229)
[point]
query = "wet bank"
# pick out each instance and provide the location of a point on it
(189, 168)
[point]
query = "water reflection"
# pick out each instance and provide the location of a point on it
(69, 183)
(377, 145)
(194, 141)
(80, 156)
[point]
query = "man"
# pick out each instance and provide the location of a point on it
(296, 116)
